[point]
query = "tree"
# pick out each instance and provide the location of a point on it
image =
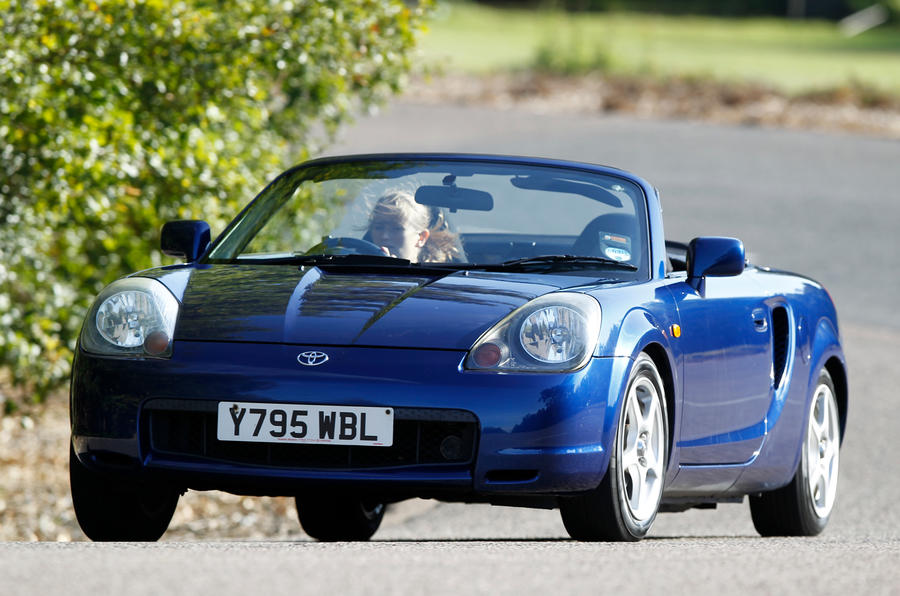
(118, 115)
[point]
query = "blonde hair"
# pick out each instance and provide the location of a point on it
(401, 205)
(442, 245)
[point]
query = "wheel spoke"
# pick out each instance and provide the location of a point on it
(651, 482)
(831, 462)
(827, 414)
(827, 473)
(650, 459)
(656, 442)
(634, 413)
(654, 453)
(815, 478)
(650, 417)
(816, 426)
(821, 490)
(831, 448)
(812, 448)
(629, 443)
(629, 457)
(637, 490)
(833, 455)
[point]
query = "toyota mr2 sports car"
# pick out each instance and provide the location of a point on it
(467, 328)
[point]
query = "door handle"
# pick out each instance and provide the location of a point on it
(760, 320)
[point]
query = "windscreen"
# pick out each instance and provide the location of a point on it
(442, 212)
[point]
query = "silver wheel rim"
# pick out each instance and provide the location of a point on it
(643, 450)
(822, 452)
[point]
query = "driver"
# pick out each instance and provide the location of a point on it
(403, 228)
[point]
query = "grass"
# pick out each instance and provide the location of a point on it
(791, 56)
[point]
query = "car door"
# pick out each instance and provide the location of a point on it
(727, 369)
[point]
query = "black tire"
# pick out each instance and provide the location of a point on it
(798, 509)
(109, 509)
(607, 512)
(331, 519)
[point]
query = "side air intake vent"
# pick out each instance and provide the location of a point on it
(780, 331)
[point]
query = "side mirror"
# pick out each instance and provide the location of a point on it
(185, 239)
(715, 257)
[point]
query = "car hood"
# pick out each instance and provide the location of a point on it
(340, 307)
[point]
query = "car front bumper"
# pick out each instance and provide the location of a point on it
(526, 433)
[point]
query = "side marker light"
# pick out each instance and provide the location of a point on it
(487, 355)
(156, 343)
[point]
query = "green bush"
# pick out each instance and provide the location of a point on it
(118, 115)
(571, 55)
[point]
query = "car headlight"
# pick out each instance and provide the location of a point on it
(553, 333)
(131, 317)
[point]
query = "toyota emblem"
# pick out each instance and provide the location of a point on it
(312, 358)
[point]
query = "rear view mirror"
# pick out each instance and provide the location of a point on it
(455, 197)
(185, 239)
(715, 257)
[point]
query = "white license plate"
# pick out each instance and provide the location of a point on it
(303, 423)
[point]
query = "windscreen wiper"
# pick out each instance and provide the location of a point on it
(352, 259)
(305, 260)
(561, 262)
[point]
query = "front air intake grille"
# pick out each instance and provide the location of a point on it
(187, 429)
(780, 330)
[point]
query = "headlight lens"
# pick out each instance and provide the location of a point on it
(133, 316)
(554, 333)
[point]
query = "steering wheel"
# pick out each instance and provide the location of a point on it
(345, 245)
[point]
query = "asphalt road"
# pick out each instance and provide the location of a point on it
(821, 204)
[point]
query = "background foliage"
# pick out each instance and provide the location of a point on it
(792, 56)
(118, 115)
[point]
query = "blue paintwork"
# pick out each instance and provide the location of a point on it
(185, 239)
(337, 308)
(726, 364)
(399, 340)
(715, 257)
(527, 420)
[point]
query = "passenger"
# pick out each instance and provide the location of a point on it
(403, 228)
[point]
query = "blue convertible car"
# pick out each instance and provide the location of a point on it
(468, 328)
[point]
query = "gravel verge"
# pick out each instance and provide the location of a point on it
(849, 109)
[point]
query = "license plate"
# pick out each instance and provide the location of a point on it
(303, 423)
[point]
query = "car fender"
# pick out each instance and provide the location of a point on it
(826, 347)
(638, 329)
(641, 331)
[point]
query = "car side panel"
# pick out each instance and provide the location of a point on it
(816, 340)
(726, 331)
